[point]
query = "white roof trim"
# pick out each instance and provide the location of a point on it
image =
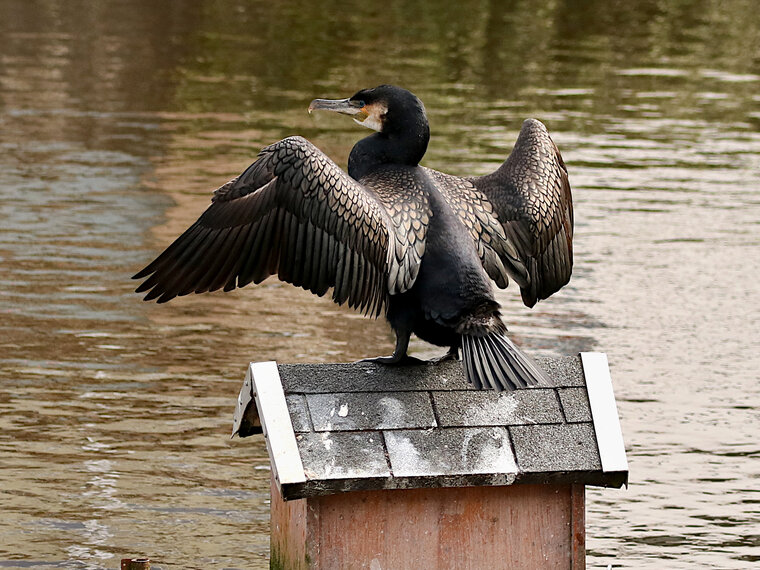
(244, 399)
(275, 421)
(609, 436)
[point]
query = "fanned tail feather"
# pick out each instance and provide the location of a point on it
(493, 361)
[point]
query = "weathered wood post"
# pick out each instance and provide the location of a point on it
(392, 468)
(135, 564)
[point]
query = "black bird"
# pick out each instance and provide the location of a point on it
(390, 235)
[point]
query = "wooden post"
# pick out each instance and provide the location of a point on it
(135, 564)
(578, 526)
(520, 526)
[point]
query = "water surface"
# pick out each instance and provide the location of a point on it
(118, 119)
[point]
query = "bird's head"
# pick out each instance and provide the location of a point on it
(386, 109)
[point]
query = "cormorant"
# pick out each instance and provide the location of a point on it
(390, 235)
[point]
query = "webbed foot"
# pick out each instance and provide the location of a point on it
(394, 360)
(399, 356)
(452, 354)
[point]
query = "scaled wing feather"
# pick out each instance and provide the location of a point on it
(497, 253)
(409, 213)
(531, 197)
(293, 213)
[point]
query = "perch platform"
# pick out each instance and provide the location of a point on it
(409, 467)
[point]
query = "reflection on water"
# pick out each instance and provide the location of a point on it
(116, 121)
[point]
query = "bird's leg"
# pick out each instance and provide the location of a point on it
(399, 355)
(452, 354)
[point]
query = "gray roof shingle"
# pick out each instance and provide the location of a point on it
(366, 426)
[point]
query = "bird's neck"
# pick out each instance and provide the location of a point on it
(383, 149)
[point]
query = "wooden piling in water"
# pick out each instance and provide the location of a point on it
(135, 564)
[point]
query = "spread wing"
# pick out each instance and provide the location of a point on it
(530, 194)
(295, 214)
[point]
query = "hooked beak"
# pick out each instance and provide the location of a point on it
(343, 106)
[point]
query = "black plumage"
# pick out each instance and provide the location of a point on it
(392, 236)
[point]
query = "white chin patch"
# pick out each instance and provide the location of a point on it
(371, 123)
(375, 113)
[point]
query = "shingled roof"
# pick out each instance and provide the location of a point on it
(341, 427)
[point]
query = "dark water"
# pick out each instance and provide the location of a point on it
(118, 119)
